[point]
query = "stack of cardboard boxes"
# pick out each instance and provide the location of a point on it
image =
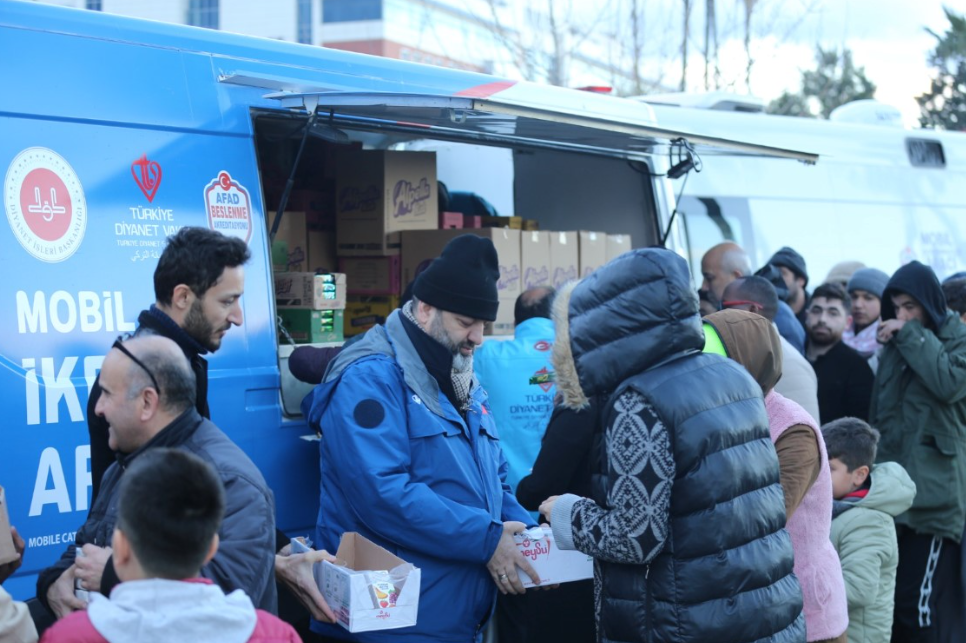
(310, 306)
(379, 221)
(380, 196)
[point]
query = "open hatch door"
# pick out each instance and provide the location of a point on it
(522, 115)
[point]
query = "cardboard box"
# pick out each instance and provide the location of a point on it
(372, 275)
(564, 258)
(420, 246)
(472, 221)
(617, 244)
(592, 251)
(380, 193)
(349, 589)
(307, 326)
(450, 220)
(514, 223)
(363, 312)
(8, 553)
(531, 224)
(553, 565)
(309, 290)
(290, 243)
(321, 254)
(535, 259)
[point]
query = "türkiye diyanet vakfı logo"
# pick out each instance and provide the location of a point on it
(45, 204)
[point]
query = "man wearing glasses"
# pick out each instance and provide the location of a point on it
(148, 400)
(197, 287)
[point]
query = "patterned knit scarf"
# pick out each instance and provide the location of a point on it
(462, 373)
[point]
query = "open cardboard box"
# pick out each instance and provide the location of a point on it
(348, 589)
(552, 564)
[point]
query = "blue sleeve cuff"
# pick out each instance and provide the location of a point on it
(560, 520)
(493, 535)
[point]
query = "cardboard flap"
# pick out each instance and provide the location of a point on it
(361, 554)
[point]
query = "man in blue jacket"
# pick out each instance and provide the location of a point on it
(504, 369)
(410, 454)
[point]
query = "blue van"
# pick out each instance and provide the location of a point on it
(115, 132)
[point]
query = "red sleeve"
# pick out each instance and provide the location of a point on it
(74, 628)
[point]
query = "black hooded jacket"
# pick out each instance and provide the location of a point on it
(919, 282)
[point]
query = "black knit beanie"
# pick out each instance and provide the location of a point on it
(463, 279)
(790, 259)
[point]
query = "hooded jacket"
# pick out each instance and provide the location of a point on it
(16, 626)
(919, 405)
(404, 468)
(158, 611)
(687, 528)
(246, 551)
(754, 343)
(865, 538)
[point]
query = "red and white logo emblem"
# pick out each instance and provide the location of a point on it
(45, 204)
(229, 207)
(147, 174)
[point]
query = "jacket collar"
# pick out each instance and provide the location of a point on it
(175, 434)
(534, 328)
(157, 321)
(391, 340)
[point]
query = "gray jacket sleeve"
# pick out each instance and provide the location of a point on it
(633, 526)
(246, 548)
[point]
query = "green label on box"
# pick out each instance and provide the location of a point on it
(312, 326)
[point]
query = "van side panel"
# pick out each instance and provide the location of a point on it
(132, 153)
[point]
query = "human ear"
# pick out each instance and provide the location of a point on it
(859, 476)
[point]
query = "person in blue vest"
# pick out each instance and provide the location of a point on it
(410, 453)
(504, 369)
(522, 411)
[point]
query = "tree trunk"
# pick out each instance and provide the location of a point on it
(749, 9)
(684, 45)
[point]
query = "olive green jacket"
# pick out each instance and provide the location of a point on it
(865, 538)
(919, 406)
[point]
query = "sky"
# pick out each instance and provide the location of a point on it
(887, 38)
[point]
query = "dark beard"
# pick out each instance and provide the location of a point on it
(199, 328)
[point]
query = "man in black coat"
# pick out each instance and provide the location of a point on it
(197, 287)
(844, 377)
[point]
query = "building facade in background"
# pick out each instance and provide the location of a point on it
(478, 35)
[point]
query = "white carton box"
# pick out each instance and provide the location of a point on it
(552, 564)
(360, 602)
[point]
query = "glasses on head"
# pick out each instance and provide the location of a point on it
(734, 303)
(119, 345)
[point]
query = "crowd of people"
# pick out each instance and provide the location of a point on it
(749, 462)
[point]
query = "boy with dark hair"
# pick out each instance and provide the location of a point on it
(862, 525)
(170, 508)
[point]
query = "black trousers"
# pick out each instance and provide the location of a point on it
(565, 614)
(929, 601)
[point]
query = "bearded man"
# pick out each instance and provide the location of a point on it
(410, 454)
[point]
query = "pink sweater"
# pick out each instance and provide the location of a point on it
(816, 562)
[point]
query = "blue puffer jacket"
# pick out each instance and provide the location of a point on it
(521, 409)
(402, 467)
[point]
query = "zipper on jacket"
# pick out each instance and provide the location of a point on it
(647, 604)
